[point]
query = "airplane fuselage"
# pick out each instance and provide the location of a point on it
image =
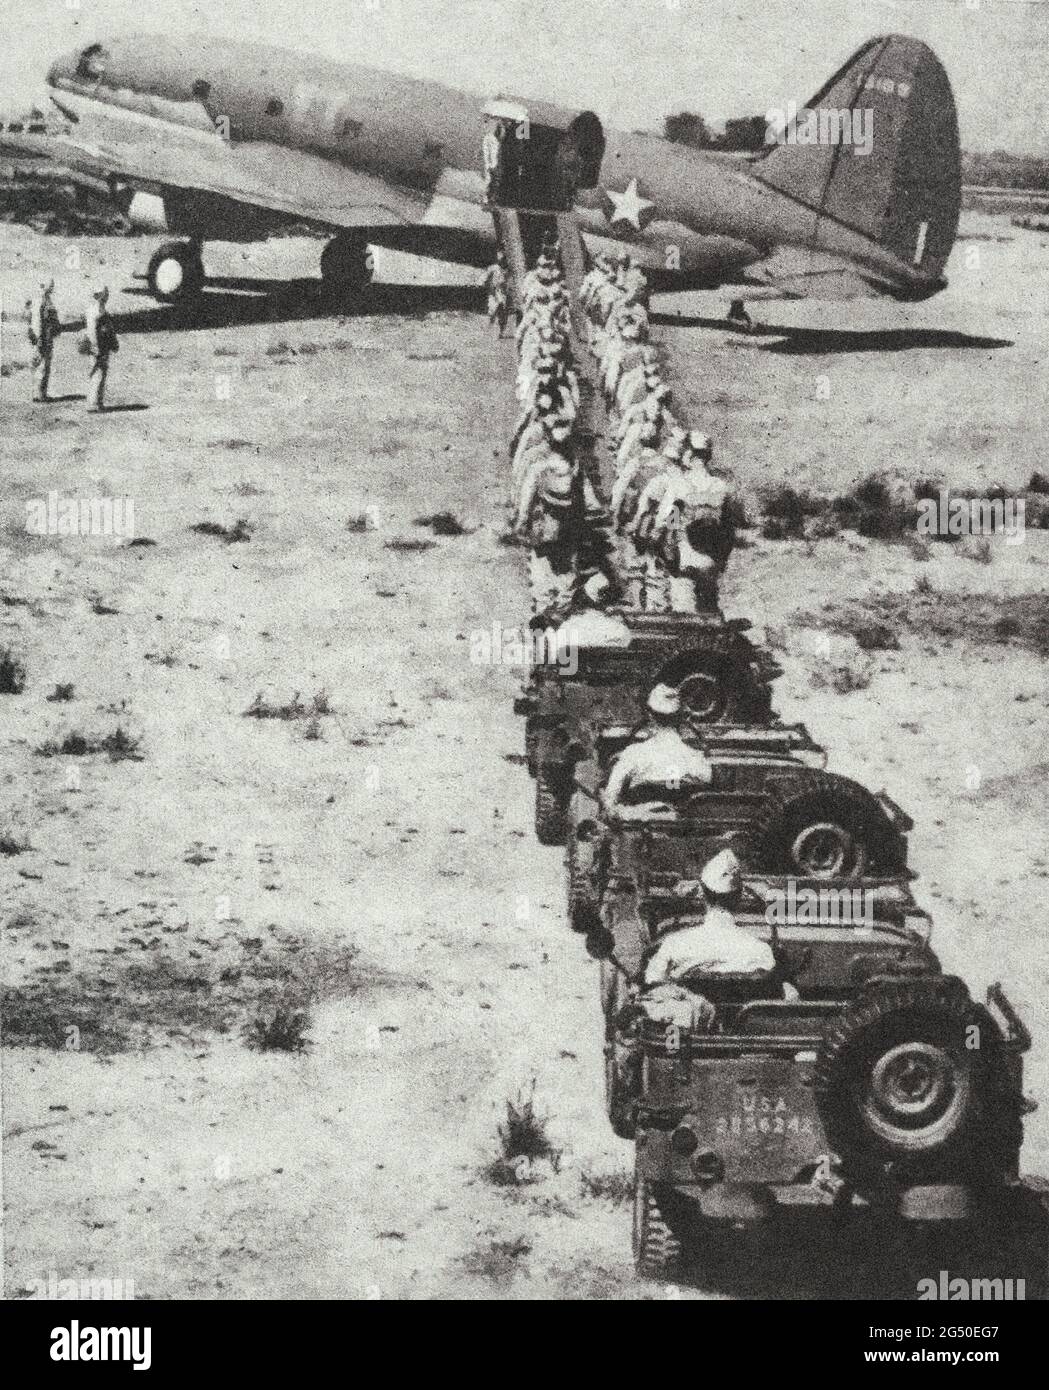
(289, 135)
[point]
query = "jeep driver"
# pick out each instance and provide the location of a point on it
(657, 760)
(716, 945)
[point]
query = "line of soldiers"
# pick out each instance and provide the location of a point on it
(672, 518)
(98, 342)
(673, 514)
(555, 507)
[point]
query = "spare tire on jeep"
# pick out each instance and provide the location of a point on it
(717, 685)
(910, 1077)
(826, 826)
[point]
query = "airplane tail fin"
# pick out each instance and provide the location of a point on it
(877, 149)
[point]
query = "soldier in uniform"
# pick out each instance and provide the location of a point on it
(658, 761)
(690, 526)
(635, 284)
(638, 492)
(643, 376)
(543, 521)
(625, 353)
(598, 275)
(717, 945)
(497, 283)
(101, 338)
(589, 623)
(653, 411)
(44, 329)
(551, 429)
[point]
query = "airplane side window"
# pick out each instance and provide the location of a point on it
(274, 108)
(201, 89)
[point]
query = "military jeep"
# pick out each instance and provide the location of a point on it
(855, 1075)
(638, 908)
(720, 675)
(770, 799)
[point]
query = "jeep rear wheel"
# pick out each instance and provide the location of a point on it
(621, 1087)
(550, 808)
(657, 1250)
(916, 1094)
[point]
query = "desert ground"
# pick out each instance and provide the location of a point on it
(363, 870)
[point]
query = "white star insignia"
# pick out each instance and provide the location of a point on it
(628, 207)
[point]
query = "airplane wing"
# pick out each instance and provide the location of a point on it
(301, 186)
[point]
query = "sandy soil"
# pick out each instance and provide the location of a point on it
(375, 865)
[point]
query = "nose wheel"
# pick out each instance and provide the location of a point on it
(176, 273)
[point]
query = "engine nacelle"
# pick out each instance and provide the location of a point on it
(201, 216)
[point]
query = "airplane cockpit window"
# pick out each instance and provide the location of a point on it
(201, 89)
(274, 108)
(92, 64)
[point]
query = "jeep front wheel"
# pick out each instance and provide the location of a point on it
(584, 903)
(621, 1087)
(657, 1250)
(550, 809)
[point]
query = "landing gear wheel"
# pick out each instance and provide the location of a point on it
(346, 268)
(175, 274)
(657, 1250)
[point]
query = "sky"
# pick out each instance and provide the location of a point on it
(632, 61)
